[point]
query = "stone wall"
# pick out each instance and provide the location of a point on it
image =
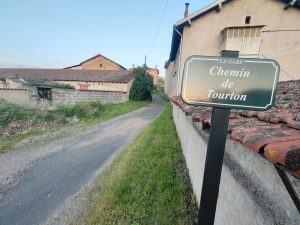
(70, 96)
(100, 63)
(251, 192)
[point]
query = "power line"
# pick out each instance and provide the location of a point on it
(158, 27)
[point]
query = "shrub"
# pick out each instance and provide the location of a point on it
(49, 116)
(63, 120)
(142, 85)
(81, 112)
(68, 110)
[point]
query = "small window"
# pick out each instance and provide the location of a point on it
(100, 65)
(44, 93)
(246, 40)
(248, 19)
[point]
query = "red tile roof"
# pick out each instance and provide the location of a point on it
(274, 133)
(108, 76)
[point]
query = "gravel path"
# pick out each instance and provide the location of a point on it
(37, 185)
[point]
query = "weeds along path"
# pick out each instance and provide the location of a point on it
(35, 182)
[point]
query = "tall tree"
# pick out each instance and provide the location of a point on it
(142, 85)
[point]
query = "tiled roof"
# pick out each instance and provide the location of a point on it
(275, 133)
(108, 76)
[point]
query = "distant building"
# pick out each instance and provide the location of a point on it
(153, 71)
(256, 28)
(107, 86)
(97, 62)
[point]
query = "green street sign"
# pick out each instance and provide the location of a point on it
(240, 83)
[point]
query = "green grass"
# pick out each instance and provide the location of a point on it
(147, 184)
(89, 112)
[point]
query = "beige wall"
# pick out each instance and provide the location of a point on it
(101, 86)
(94, 64)
(2, 84)
(13, 85)
(251, 192)
(172, 76)
(154, 73)
(19, 97)
(203, 37)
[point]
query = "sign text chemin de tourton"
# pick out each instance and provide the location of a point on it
(218, 71)
(241, 83)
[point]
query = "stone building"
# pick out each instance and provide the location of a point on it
(108, 86)
(97, 62)
(154, 72)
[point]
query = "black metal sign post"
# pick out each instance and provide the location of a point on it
(223, 83)
(214, 160)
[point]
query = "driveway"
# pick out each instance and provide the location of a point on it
(36, 182)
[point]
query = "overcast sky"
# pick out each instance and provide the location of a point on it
(62, 33)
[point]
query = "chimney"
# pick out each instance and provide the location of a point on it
(186, 12)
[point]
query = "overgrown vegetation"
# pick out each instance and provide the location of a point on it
(161, 92)
(147, 184)
(49, 84)
(142, 86)
(161, 81)
(11, 112)
(17, 122)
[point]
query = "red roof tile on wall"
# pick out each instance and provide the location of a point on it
(274, 133)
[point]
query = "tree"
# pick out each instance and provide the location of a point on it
(142, 85)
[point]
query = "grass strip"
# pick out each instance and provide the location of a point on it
(148, 183)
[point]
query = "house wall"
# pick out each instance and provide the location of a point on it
(154, 73)
(251, 192)
(2, 84)
(172, 76)
(100, 86)
(94, 64)
(203, 37)
(13, 84)
(19, 97)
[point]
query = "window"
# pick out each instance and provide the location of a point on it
(44, 93)
(100, 65)
(248, 19)
(246, 40)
